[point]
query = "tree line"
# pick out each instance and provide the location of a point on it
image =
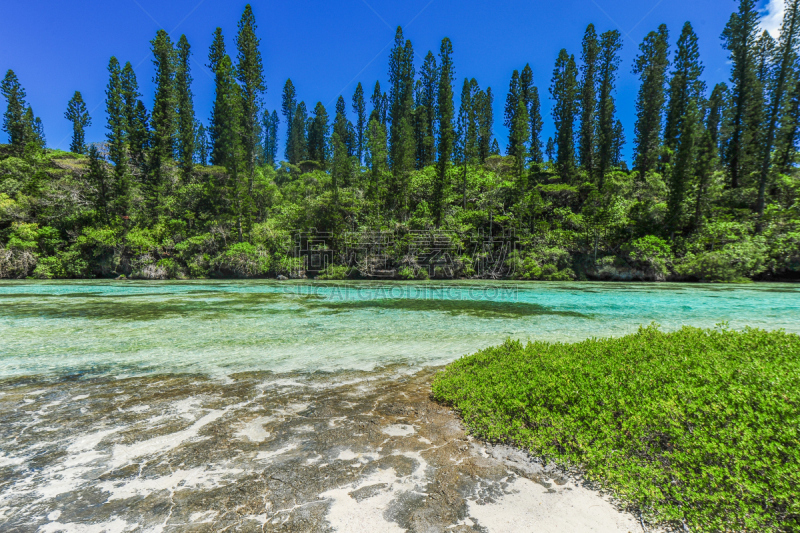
(717, 153)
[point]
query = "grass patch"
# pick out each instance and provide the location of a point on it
(696, 427)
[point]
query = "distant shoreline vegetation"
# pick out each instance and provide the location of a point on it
(711, 193)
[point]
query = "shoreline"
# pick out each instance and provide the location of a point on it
(288, 452)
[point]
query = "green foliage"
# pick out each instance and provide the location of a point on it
(696, 427)
(242, 260)
(333, 272)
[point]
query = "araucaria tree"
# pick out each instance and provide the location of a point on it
(446, 133)
(651, 65)
(588, 100)
(608, 64)
(185, 108)
(250, 73)
(79, 116)
(564, 92)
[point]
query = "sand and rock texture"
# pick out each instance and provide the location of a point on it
(346, 452)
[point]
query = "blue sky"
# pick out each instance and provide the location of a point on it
(57, 47)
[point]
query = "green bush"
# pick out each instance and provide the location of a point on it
(406, 273)
(651, 255)
(697, 427)
(242, 260)
(333, 272)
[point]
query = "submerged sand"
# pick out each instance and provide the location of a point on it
(261, 452)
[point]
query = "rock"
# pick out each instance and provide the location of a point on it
(282, 278)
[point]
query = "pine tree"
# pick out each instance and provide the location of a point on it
(401, 100)
(201, 145)
(495, 148)
(521, 134)
(426, 103)
(14, 116)
(790, 129)
(380, 104)
(510, 110)
(318, 135)
(269, 123)
(651, 64)
(116, 125)
(786, 59)
(250, 73)
(467, 132)
(530, 95)
(360, 110)
(764, 51)
(79, 116)
(163, 118)
(617, 143)
(551, 150)
(564, 91)
(97, 175)
(232, 154)
(129, 89)
(215, 55)
(686, 91)
(444, 105)
(608, 64)
(299, 142)
(684, 87)
(38, 131)
(341, 167)
(288, 109)
(377, 157)
(708, 150)
(681, 173)
(340, 120)
(744, 125)
(587, 148)
(716, 111)
(185, 108)
(485, 117)
(536, 125)
(139, 135)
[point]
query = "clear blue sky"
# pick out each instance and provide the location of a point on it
(57, 47)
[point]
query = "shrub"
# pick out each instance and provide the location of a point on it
(333, 272)
(697, 427)
(242, 260)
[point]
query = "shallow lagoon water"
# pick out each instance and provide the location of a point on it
(225, 327)
(297, 406)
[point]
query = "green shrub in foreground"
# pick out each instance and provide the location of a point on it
(696, 427)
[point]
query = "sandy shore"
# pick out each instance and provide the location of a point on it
(347, 453)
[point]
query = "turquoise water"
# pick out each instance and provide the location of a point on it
(223, 328)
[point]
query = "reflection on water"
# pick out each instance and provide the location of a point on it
(223, 327)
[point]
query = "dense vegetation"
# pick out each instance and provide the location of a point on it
(699, 428)
(711, 193)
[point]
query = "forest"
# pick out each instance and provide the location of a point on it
(710, 194)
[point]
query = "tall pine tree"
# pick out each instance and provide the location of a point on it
(318, 136)
(360, 110)
(250, 73)
(444, 104)
(215, 55)
(564, 92)
(14, 116)
(288, 109)
(744, 121)
(608, 64)
(163, 118)
(185, 108)
(590, 52)
(784, 72)
(651, 64)
(79, 116)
